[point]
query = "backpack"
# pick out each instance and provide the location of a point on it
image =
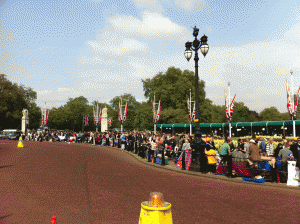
(263, 146)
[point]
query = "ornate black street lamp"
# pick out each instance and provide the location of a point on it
(195, 46)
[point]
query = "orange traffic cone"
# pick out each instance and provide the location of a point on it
(53, 220)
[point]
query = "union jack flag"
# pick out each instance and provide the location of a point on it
(153, 109)
(158, 111)
(42, 121)
(47, 116)
(194, 113)
(86, 120)
(119, 115)
(189, 108)
(226, 108)
(231, 106)
(125, 113)
(97, 115)
(296, 104)
(289, 106)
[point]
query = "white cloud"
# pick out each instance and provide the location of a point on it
(121, 47)
(152, 26)
(153, 5)
(44, 92)
(186, 4)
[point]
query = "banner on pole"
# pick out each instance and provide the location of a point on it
(125, 113)
(158, 111)
(86, 120)
(153, 110)
(119, 116)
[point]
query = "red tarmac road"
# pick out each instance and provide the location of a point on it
(90, 184)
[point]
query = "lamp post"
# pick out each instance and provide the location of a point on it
(195, 46)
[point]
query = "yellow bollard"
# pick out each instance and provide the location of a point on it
(156, 210)
(20, 144)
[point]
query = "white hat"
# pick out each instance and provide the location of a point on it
(253, 141)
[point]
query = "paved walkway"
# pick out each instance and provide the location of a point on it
(93, 184)
(172, 166)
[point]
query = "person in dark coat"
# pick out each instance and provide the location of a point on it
(276, 151)
(295, 148)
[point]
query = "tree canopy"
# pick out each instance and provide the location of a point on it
(13, 99)
(172, 88)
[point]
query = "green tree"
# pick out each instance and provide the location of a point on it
(271, 114)
(132, 106)
(241, 113)
(172, 89)
(144, 117)
(218, 114)
(285, 117)
(13, 99)
(70, 116)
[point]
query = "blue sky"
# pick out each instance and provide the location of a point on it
(102, 49)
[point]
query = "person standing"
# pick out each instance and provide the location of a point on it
(283, 155)
(295, 148)
(254, 153)
(211, 159)
(225, 150)
(270, 148)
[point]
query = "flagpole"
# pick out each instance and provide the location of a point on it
(154, 117)
(121, 116)
(191, 123)
(229, 108)
(82, 123)
(97, 117)
(293, 108)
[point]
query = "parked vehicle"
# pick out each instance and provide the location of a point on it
(3, 135)
(15, 135)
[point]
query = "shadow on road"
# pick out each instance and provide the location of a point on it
(3, 217)
(5, 166)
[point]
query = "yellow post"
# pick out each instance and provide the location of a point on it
(20, 144)
(155, 211)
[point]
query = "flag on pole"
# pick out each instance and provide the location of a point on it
(47, 116)
(296, 104)
(99, 115)
(231, 106)
(95, 116)
(109, 122)
(158, 111)
(189, 108)
(226, 108)
(194, 113)
(288, 99)
(153, 109)
(119, 116)
(125, 113)
(86, 120)
(42, 121)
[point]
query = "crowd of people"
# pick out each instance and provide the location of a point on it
(150, 146)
